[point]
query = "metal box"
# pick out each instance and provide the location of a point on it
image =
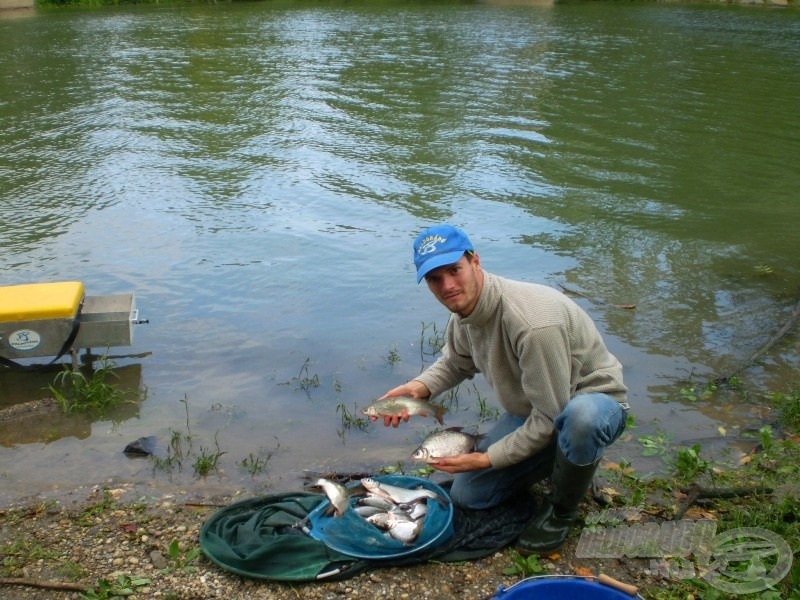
(107, 321)
(38, 319)
(48, 319)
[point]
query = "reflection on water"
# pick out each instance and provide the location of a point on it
(29, 414)
(255, 174)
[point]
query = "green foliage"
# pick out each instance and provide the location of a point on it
(654, 445)
(181, 559)
(689, 465)
(175, 452)
(431, 342)
(523, 566)
(305, 380)
(72, 571)
(124, 585)
(765, 435)
(255, 463)
(207, 460)
(769, 500)
(423, 471)
(788, 405)
(88, 392)
(350, 420)
(693, 393)
(19, 553)
(90, 512)
(394, 357)
(392, 469)
(485, 412)
(764, 269)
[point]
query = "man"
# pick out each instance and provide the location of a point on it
(561, 388)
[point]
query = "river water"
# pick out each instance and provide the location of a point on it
(255, 174)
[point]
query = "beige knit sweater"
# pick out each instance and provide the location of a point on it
(536, 348)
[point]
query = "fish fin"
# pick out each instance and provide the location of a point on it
(357, 490)
(456, 429)
(439, 413)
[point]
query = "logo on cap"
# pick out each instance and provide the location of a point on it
(428, 245)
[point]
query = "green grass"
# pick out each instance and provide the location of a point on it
(88, 390)
(768, 499)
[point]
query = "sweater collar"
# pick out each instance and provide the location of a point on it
(487, 302)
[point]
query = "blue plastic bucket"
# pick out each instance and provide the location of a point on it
(561, 588)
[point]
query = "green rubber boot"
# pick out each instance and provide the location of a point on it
(548, 530)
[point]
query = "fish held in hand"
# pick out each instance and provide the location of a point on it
(390, 407)
(449, 442)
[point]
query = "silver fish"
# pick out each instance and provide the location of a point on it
(400, 495)
(449, 442)
(419, 510)
(377, 502)
(336, 493)
(379, 520)
(414, 406)
(405, 531)
(365, 511)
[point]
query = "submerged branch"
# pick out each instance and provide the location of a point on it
(571, 292)
(767, 346)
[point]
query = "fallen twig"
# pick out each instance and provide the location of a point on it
(695, 492)
(41, 583)
(595, 301)
(734, 492)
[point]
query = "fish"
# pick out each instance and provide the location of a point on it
(414, 406)
(403, 530)
(418, 511)
(448, 442)
(400, 495)
(365, 511)
(378, 502)
(337, 494)
(379, 520)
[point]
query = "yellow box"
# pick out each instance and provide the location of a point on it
(37, 301)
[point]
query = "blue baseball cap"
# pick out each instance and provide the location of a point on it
(438, 246)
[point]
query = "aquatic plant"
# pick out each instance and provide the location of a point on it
(90, 391)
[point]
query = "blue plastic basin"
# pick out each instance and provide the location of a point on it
(560, 588)
(350, 534)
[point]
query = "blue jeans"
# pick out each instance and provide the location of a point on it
(588, 424)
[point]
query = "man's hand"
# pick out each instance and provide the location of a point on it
(394, 420)
(474, 461)
(414, 389)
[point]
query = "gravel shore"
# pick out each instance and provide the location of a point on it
(104, 537)
(84, 539)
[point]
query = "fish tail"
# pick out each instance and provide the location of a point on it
(438, 414)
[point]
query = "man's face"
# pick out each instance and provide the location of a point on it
(457, 286)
